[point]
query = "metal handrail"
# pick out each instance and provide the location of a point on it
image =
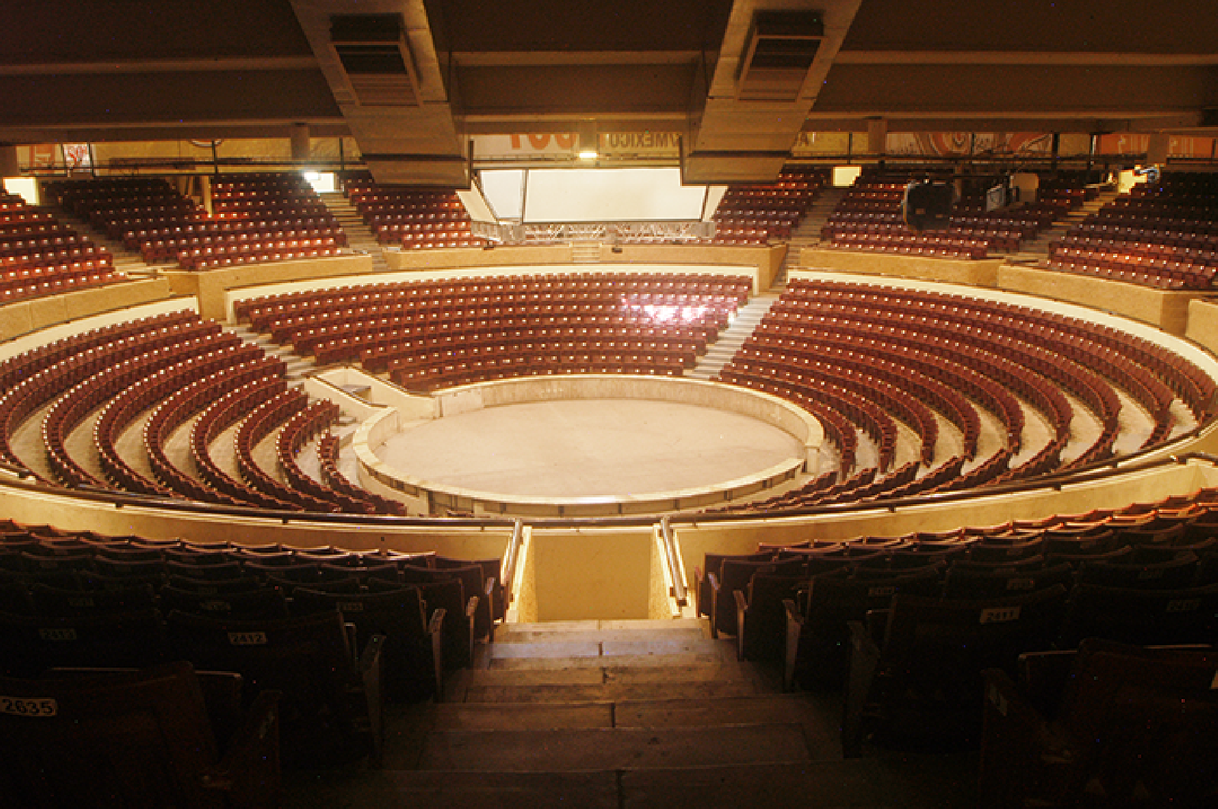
(511, 558)
(679, 591)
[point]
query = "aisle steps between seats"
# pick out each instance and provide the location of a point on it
(622, 714)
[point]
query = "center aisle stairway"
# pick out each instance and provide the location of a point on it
(744, 323)
(626, 714)
(359, 235)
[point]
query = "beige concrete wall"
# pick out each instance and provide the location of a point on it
(211, 286)
(742, 536)
(75, 514)
(592, 573)
(1167, 310)
(763, 263)
(983, 273)
(24, 317)
(1203, 323)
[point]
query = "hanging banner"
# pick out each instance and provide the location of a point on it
(1126, 143)
(967, 144)
(544, 144)
(640, 144)
(809, 144)
(77, 156)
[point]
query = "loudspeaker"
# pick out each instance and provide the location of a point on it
(927, 206)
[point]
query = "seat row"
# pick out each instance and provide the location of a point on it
(894, 340)
(407, 627)
(1159, 235)
(302, 428)
(545, 287)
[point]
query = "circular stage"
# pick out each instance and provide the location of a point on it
(557, 448)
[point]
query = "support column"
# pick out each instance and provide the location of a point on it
(1156, 151)
(877, 136)
(302, 147)
(10, 166)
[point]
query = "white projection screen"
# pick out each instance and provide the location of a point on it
(610, 195)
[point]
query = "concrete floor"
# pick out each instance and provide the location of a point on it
(579, 448)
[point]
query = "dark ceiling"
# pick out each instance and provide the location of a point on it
(174, 69)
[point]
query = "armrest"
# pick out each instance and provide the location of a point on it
(795, 628)
(1043, 676)
(699, 607)
(249, 773)
(489, 592)
(1022, 754)
(369, 668)
(877, 623)
(435, 630)
(864, 658)
(742, 607)
(714, 605)
(471, 609)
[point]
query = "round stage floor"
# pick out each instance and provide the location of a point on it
(591, 448)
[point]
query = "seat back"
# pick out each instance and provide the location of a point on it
(833, 600)
(31, 644)
(1144, 721)
(397, 614)
(120, 739)
(969, 582)
(1140, 616)
(307, 658)
(928, 681)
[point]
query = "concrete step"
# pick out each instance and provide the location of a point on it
(667, 635)
(864, 782)
(614, 690)
(523, 716)
(643, 663)
(745, 710)
(558, 628)
(611, 748)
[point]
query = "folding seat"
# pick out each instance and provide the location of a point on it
(331, 708)
(1108, 725)
(412, 650)
(1147, 616)
(916, 668)
(971, 580)
(148, 738)
(817, 631)
(32, 644)
(267, 601)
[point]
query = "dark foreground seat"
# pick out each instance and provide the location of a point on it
(1116, 726)
(915, 668)
(331, 708)
(139, 738)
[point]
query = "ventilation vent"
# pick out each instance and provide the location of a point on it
(373, 52)
(782, 46)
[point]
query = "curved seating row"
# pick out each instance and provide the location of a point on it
(219, 416)
(180, 406)
(910, 353)
(282, 215)
(40, 256)
(332, 476)
(264, 420)
(433, 334)
(70, 409)
(49, 375)
(1159, 235)
(299, 430)
(868, 217)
